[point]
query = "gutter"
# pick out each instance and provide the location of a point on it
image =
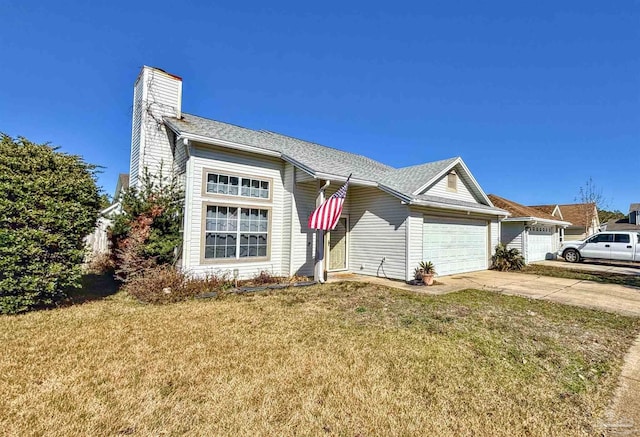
(493, 211)
(537, 220)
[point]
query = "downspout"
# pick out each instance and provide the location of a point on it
(318, 271)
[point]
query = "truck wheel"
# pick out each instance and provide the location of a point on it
(571, 255)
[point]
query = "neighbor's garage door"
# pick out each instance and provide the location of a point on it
(539, 243)
(455, 245)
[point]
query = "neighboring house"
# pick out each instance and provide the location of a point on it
(582, 216)
(535, 233)
(98, 241)
(249, 193)
(629, 223)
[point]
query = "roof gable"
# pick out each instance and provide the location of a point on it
(580, 214)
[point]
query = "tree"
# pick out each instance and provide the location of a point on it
(147, 232)
(590, 197)
(49, 202)
(605, 215)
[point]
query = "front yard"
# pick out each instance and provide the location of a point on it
(340, 359)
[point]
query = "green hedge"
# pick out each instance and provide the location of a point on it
(49, 202)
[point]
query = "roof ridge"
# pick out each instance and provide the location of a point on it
(428, 163)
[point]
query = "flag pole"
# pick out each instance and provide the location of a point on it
(325, 217)
(318, 271)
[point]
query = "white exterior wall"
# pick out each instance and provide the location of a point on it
(415, 223)
(512, 235)
(156, 94)
(494, 231)
(377, 231)
(303, 240)
(242, 164)
(462, 193)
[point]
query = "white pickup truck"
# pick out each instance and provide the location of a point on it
(613, 245)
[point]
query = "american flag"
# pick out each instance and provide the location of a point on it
(326, 216)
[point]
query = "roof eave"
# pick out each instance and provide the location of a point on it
(466, 208)
(537, 219)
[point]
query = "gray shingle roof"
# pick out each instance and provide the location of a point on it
(634, 207)
(409, 179)
(323, 159)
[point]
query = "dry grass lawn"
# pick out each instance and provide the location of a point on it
(345, 359)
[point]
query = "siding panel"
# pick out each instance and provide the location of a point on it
(377, 235)
(440, 189)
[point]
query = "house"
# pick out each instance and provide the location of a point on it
(249, 193)
(582, 216)
(629, 223)
(534, 232)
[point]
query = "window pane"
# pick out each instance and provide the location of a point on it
(264, 185)
(255, 183)
(253, 251)
(233, 190)
(233, 180)
(212, 177)
(223, 179)
(621, 238)
(219, 252)
(262, 239)
(210, 240)
(211, 224)
(208, 252)
(262, 250)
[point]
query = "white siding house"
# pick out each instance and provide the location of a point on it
(249, 194)
(535, 233)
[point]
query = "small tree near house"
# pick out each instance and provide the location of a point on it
(148, 231)
(49, 202)
(590, 197)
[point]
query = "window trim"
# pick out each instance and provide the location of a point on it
(455, 180)
(236, 197)
(237, 260)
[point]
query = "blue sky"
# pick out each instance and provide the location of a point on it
(535, 96)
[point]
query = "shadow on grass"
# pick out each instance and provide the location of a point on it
(94, 287)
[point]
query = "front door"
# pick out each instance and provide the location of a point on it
(338, 246)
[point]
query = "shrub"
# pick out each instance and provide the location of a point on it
(49, 202)
(147, 232)
(100, 264)
(166, 284)
(507, 259)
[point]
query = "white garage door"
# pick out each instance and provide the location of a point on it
(455, 245)
(539, 243)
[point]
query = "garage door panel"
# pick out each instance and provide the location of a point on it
(539, 243)
(455, 245)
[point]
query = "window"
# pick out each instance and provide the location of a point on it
(601, 238)
(237, 186)
(452, 182)
(621, 238)
(235, 233)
